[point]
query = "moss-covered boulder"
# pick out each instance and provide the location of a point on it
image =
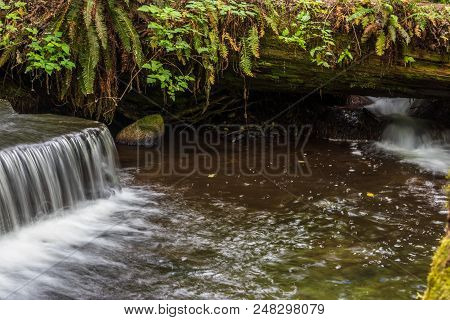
(147, 132)
(439, 277)
(438, 287)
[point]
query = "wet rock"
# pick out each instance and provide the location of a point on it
(348, 124)
(433, 109)
(357, 101)
(147, 132)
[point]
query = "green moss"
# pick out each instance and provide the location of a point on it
(145, 131)
(439, 277)
(154, 121)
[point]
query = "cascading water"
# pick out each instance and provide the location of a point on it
(389, 106)
(41, 173)
(413, 140)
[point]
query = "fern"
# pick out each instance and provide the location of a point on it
(359, 13)
(213, 46)
(245, 61)
(271, 22)
(393, 21)
(231, 41)
(365, 21)
(368, 31)
(6, 54)
(88, 12)
(404, 34)
(100, 25)
(201, 36)
(128, 34)
(253, 41)
(121, 28)
(380, 45)
(223, 49)
(418, 31)
(90, 56)
(392, 33)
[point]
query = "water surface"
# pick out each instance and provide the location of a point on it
(359, 223)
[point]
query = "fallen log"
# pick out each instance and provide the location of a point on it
(283, 67)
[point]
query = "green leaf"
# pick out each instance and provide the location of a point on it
(89, 59)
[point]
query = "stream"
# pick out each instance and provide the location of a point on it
(360, 220)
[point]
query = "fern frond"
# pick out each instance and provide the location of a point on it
(89, 58)
(233, 43)
(62, 17)
(404, 34)
(380, 45)
(253, 41)
(6, 54)
(392, 33)
(73, 27)
(88, 12)
(100, 25)
(365, 21)
(393, 21)
(223, 49)
(210, 74)
(271, 22)
(368, 31)
(358, 14)
(214, 46)
(418, 31)
(73, 13)
(197, 41)
(128, 34)
(245, 61)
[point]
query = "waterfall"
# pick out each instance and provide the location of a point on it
(413, 140)
(39, 178)
(389, 106)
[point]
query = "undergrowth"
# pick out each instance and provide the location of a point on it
(89, 53)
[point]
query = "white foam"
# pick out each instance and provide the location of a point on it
(29, 253)
(389, 106)
(410, 139)
(430, 158)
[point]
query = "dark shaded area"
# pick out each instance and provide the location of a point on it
(332, 116)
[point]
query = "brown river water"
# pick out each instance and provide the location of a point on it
(243, 219)
(360, 226)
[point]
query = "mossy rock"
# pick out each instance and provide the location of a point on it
(439, 278)
(147, 132)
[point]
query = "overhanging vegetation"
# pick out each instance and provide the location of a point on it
(89, 53)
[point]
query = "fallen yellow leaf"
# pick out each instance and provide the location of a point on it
(370, 194)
